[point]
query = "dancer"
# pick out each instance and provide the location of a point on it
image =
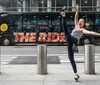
(74, 37)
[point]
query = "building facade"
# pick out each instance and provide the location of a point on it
(48, 5)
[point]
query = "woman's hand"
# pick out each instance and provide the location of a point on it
(77, 7)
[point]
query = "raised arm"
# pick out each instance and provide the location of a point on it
(89, 32)
(76, 15)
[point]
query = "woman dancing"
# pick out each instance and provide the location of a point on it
(74, 37)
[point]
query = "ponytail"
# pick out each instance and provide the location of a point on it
(86, 25)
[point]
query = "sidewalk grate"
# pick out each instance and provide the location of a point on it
(33, 60)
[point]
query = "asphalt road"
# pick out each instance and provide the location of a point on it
(31, 50)
(8, 53)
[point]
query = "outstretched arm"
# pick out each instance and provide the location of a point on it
(89, 32)
(76, 15)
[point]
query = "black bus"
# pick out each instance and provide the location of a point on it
(43, 27)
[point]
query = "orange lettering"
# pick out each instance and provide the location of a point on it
(32, 37)
(55, 37)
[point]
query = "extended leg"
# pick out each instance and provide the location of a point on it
(69, 44)
(66, 28)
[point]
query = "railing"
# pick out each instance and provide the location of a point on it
(49, 9)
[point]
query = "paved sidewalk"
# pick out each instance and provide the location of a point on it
(59, 74)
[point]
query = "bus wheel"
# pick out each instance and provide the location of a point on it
(86, 41)
(6, 41)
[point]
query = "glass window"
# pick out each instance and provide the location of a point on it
(17, 5)
(15, 22)
(10, 5)
(44, 23)
(53, 5)
(86, 5)
(29, 23)
(97, 20)
(60, 4)
(40, 4)
(78, 2)
(90, 19)
(90, 28)
(47, 5)
(70, 18)
(70, 3)
(87, 18)
(4, 19)
(97, 29)
(94, 3)
(56, 27)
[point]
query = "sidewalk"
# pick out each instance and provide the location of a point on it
(58, 74)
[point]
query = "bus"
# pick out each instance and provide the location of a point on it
(43, 27)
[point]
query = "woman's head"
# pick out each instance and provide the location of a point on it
(82, 23)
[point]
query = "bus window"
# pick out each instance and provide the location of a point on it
(97, 38)
(4, 19)
(89, 18)
(55, 22)
(97, 29)
(70, 18)
(15, 22)
(29, 23)
(44, 23)
(97, 20)
(91, 28)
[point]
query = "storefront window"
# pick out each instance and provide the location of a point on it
(48, 5)
(61, 3)
(86, 5)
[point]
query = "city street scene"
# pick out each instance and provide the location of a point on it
(49, 42)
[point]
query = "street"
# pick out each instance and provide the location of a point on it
(9, 53)
(31, 50)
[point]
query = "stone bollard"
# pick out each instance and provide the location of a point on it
(89, 60)
(42, 59)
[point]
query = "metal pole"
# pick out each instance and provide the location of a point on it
(73, 5)
(42, 59)
(24, 5)
(98, 5)
(0, 59)
(89, 62)
(55, 5)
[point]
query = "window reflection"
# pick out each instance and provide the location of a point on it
(97, 29)
(16, 23)
(55, 24)
(44, 23)
(44, 5)
(29, 23)
(97, 21)
(70, 19)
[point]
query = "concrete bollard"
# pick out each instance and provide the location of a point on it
(42, 59)
(89, 60)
